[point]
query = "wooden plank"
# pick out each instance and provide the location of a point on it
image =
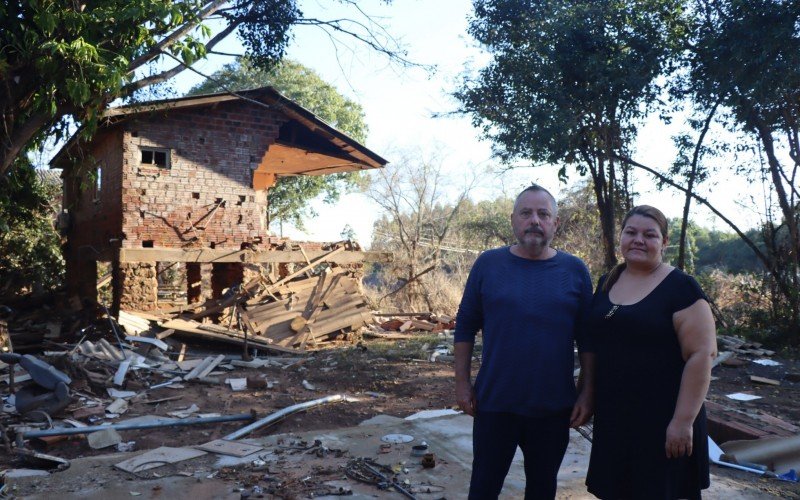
(313, 310)
(105, 280)
(401, 314)
(247, 290)
(764, 380)
(349, 319)
(232, 336)
(264, 324)
(204, 255)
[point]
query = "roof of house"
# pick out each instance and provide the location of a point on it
(349, 154)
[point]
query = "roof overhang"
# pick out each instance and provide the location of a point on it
(341, 153)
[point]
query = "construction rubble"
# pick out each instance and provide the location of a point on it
(110, 383)
(166, 391)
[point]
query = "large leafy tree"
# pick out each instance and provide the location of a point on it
(289, 198)
(30, 249)
(746, 56)
(63, 62)
(568, 82)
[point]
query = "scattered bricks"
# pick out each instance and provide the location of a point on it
(256, 383)
(792, 377)
(90, 411)
(734, 362)
(392, 325)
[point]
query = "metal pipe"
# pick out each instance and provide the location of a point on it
(114, 329)
(274, 417)
(389, 482)
(138, 426)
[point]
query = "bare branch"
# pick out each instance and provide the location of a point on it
(166, 75)
(666, 180)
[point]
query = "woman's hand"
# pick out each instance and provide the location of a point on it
(679, 439)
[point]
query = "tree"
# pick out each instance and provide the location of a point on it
(30, 248)
(567, 83)
(418, 218)
(63, 62)
(746, 56)
(289, 198)
(486, 224)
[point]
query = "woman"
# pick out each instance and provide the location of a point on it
(655, 341)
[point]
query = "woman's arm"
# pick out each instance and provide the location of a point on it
(697, 338)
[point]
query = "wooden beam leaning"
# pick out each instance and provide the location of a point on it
(207, 255)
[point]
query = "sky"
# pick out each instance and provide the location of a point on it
(399, 105)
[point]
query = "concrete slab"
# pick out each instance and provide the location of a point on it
(297, 457)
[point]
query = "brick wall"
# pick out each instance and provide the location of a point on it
(212, 154)
(95, 217)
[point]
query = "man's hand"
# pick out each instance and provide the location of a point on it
(582, 411)
(465, 397)
(465, 393)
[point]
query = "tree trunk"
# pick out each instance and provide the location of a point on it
(690, 188)
(605, 209)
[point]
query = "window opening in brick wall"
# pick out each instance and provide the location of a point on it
(196, 196)
(147, 244)
(155, 157)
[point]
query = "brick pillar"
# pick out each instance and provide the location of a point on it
(81, 278)
(198, 282)
(135, 285)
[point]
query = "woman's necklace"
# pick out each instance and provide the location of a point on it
(611, 311)
(615, 307)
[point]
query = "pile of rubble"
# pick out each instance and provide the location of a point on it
(300, 311)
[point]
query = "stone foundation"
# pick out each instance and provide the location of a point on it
(136, 286)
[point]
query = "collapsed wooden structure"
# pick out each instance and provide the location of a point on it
(314, 304)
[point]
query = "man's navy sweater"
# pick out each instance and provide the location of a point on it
(531, 313)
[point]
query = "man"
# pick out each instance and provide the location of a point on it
(529, 300)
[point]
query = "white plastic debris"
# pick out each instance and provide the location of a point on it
(740, 396)
(766, 362)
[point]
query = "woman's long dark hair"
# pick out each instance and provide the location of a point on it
(644, 211)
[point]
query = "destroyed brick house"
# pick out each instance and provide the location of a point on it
(185, 182)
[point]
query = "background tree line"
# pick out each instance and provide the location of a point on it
(568, 86)
(570, 83)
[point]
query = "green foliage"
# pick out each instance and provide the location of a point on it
(486, 224)
(709, 249)
(63, 62)
(567, 76)
(30, 248)
(760, 36)
(568, 83)
(289, 198)
(746, 56)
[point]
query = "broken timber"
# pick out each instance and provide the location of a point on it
(249, 256)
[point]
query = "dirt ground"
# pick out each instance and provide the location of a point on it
(387, 377)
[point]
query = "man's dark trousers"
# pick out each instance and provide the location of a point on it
(496, 435)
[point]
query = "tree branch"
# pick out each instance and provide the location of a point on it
(176, 35)
(666, 180)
